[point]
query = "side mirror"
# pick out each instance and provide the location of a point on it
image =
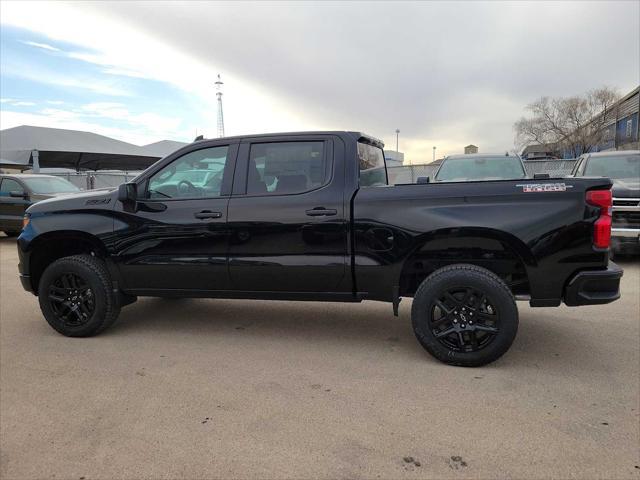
(128, 192)
(423, 180)
(18, 194)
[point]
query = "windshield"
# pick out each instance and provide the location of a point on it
(46, 185)
(618, 166)
(480, 168)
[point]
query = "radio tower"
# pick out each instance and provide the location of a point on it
(218, 85)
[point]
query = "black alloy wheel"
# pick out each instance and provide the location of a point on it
(71, 299)
(77, 297)
(464, 315)
(464, 319)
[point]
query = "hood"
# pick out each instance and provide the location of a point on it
(37, 197)
(626, 188)
(103, 198)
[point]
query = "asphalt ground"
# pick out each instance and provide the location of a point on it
(255, 389)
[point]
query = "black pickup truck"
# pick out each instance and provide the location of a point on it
(310, 216)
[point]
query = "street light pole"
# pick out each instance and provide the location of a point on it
(434, 153)
(397, 133)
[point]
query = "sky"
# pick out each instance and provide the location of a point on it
(447, 74)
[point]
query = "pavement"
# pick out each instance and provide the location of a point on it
(254, 389)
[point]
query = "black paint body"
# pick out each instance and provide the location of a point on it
(379, 244)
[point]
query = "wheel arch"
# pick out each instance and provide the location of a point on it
(497, 251)
(50, 246)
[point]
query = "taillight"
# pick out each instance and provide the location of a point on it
(602, 227)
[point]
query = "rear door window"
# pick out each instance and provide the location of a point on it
(286, 168)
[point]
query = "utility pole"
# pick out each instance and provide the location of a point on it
(397, 133)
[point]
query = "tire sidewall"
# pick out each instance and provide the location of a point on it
(501, 299)
(96, 320)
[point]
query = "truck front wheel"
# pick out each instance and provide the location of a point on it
(464, 315)
(76, 296)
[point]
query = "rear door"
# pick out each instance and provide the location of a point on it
(12, 208)
(287, 217)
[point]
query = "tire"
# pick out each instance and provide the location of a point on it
(446, 309)
(11, 233)
(76, 296)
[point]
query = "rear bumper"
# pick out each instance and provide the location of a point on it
(594, 287)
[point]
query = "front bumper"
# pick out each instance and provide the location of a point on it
(594, 287)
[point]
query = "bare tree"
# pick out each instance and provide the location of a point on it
(576, 123)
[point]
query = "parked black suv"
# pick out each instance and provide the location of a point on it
(310, 216)
(18, 192)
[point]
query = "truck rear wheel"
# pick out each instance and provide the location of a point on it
(464, 315)
(76, 296)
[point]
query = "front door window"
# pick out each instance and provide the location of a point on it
(197, 174)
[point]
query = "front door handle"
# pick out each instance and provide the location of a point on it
(321, 212)
(207, 214)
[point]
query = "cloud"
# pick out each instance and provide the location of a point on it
(248, 106)
(16, 103)
(68, 80)
(153, 122)
(43, 46)
(446, 74)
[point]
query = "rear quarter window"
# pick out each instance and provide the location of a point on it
(372, 167)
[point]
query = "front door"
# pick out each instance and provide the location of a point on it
(178, 236)
(287, 218)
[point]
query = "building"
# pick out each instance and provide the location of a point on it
(393, 158)
(622, 130)
(538, 152)
(470, 149)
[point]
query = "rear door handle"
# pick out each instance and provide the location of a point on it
(207, 214)
(321, 212)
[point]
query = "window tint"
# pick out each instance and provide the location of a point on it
(371, 163)
(197, 174)
(8, 185)
(287, 167)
